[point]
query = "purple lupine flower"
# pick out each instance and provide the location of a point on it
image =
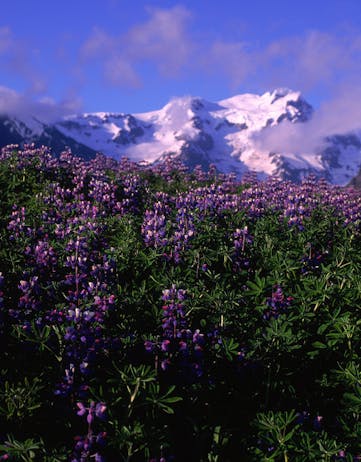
(154, 229)
(149, 346)
(242, 241)
(17, 224)
(82, 409)
(318, 422)
(165, 345)
(94, 409)
(277, 303)
(178, 344)
(30, 289)
(183, 346)
(165, 364)
(198, 338)
(100, 410)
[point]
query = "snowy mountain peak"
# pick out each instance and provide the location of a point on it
(185, 102)
(282, 92)
(224, 133)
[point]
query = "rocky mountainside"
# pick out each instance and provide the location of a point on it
(13, 130)
(199, 132)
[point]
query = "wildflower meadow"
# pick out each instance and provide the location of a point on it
(156, 314)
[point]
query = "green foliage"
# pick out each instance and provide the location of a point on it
(20, 401)
(30, 450)
(275, 373)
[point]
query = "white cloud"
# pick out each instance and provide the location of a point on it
(16, 57)
(163, 38)
(162, 41)
(339, 115)
(45, 109)
(120, 72)
(230, 59)
(305, 62)
(98, 43)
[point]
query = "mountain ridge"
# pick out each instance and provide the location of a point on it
(198, 132)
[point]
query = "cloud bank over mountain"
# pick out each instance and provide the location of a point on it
(44, 108)
(339, 115)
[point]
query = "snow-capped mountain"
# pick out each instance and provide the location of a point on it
(194, 130)
(21, 130)
(223, 133)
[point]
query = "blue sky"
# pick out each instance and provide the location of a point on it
(134, 56)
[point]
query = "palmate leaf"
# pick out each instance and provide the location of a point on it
(257, 287)
(328, 446)
(19, 400)
(353, 400)
(162, 401)
(230, 347)
(26, 450)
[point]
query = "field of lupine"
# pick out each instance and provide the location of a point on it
(154, 314)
